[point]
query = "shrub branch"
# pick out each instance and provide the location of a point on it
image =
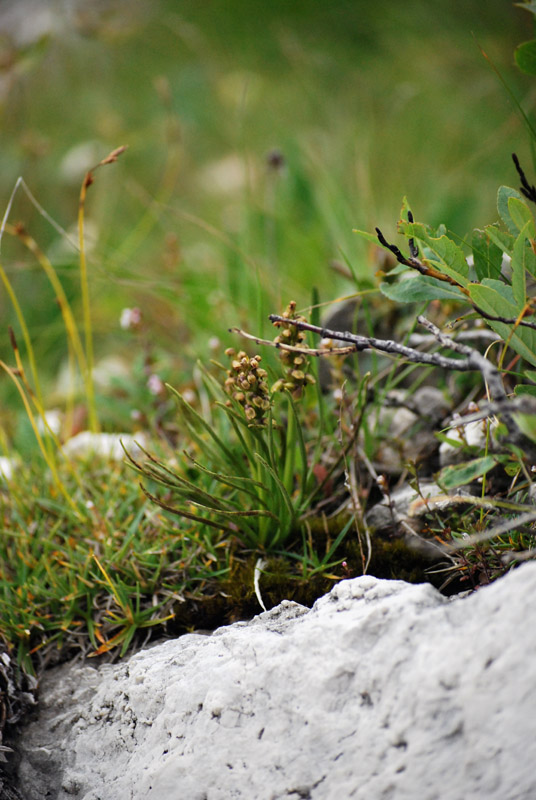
(474, 360)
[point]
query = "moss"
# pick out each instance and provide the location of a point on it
(233, 598)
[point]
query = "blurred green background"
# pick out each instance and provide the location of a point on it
(259, 135)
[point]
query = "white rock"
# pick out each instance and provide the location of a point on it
(471, 434)
(108, 445)
(402, 504)
(81, 158)
(51, 422)
(382, 690)
(7, 466)
(227, 176)
(106, 370)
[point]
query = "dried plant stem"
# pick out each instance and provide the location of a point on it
(84, 285)
(86, 309)
(61, 297)
(50, 461)
(25, 332)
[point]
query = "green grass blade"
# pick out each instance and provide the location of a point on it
(279, 483)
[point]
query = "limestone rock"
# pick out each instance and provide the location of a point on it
(108, 445)
(382, 690)
(404, 504)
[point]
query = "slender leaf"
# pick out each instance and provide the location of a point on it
(521, 216)
(182, 512)
(519, 280)
(503, 196)
(459, 474)
(503, 240)
(242, 514)
(493, 302)
(281, 486)
(487, 256)
(236, 481)
(369, 237)
(335, 545)
(190, 413)
(301, 447)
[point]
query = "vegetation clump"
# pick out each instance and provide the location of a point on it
(255, 478)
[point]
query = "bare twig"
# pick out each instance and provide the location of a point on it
(415, 263)
(339, 351)
(474, 360)
(522, 404)
(413, 249)
(508, 320)
(526, 188)
(524, 555)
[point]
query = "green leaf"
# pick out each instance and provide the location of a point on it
(503, 196)
(369, 237)
(419, 289)
(405, 209)
(300, 441)
(442, 437)
(441, 230)
(526, 423)
(486, 254)
(523, 254)
(497, 303)
(460, 474)
(333, 549)
(285, 495)
(447, 257)
(242, 514)
(525, 389)
(519, 280)
(531, 375)
(521, 216)
(195, 420)
(503, 240)
(525, 56)
(235, 481)
(497, 294)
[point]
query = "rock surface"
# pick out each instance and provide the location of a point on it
(383, 690)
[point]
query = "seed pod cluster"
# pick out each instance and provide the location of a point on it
(246, 383)
(296, 375)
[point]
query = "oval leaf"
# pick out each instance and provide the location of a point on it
(525, 56)
(417, 290)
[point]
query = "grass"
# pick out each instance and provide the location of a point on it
(343, 101)
(259, 138)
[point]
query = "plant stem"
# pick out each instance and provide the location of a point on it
(86, 306)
